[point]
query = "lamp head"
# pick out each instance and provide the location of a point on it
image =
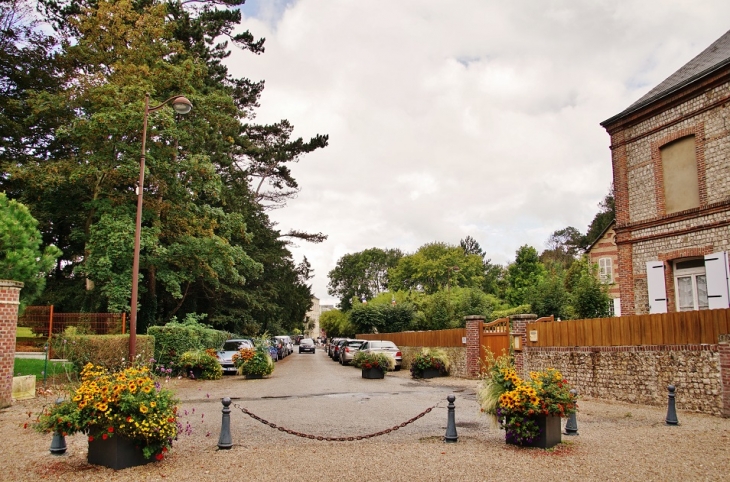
(182, 105)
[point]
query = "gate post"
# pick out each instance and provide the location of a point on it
(9, 304)
(473, 344)
(518, 325)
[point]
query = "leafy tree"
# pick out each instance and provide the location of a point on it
(549, 296)
(589, 296)
(21, 257)
(336, 324)
(564, 245)
(604, 217)
(522, 275)
(447, 309)
(471, 246)
(436, 266)
(363, 274)
(369, 318)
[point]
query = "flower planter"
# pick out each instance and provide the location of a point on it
(195, 372)
(116, 452)
(550, 433)
(431, 373)
(254, 377)
(373, 373)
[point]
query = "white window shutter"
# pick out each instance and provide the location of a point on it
(617, 307)
(716, 269)
(657, 287)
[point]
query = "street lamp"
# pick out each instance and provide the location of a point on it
(181, 105)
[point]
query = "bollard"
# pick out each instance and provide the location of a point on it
(571, 426)
(451, 436)
(224, 441)
(58, 444)
(671, 409)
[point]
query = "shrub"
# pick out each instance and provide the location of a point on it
(373, 360)
(254, 361)
(108, 351)
(174, 339)
(430, 358)
(203, 360)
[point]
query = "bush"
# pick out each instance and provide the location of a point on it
(108, 351)
(373, 360)
(430, 358)
(203, 360)
(254, 361)
(174, 339)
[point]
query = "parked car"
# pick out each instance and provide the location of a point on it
(225, 354)
(348, 350)
(298, 339)
(281, 350)
(306, 344)
(384, 346)
(337, 348)
(286, 340)
(331, 346)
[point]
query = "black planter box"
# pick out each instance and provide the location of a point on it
(116, 452)
(431, 373)
(550, 433)
(373, 373)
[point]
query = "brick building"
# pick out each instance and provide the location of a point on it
(670, 153)
(604, 253)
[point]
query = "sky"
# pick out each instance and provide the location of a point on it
(472, 118)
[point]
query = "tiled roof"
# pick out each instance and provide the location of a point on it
(713, 57)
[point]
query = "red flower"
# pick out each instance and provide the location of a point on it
(164, 449)
(159, 456)
(104, 437)
(129, 419)
(91, 439)
(110, 430)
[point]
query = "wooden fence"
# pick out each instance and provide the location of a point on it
(684, 328)
(438, 338)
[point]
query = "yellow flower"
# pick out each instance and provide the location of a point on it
(153, 404)
(143, 408)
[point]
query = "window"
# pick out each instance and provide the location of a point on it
(605, 270)
(679, 169)
(690, 283)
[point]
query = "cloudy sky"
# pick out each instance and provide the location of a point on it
(464, 118)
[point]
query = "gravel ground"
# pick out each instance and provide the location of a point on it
(616, 441)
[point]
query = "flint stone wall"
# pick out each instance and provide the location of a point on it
(639, 374)
(457, 356)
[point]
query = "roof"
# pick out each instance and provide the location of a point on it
(708, 61)
(600, 236)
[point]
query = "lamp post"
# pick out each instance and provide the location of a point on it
(181, 106)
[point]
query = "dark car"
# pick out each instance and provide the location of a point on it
(337, 348)
(306, 344)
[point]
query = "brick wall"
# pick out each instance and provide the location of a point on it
(640, 374)
(473, 340)
(9, 302)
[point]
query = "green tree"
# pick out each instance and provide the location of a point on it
(436, 266)
(549, 296)
(336, 324)
(522, 275)
(589, 296)
(21, 257)
(604, 217)
(369, 318)
(362, 275)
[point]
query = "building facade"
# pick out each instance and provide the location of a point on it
(670, 153)
(604, 253)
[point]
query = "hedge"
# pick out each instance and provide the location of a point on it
(109, 351)
(174, 339)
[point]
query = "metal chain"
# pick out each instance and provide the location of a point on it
(334, 439)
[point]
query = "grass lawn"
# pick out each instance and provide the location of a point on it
(24, 332)
(29, 366)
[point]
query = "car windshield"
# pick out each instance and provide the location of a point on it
(356, 344)
(235, 345)
(383, 344)
(307, 341)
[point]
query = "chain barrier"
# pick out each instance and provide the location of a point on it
(334, 439)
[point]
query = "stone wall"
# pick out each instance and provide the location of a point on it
(457, 356)
(9, 302)
(640, 374)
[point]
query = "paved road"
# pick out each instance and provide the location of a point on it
(310, 393)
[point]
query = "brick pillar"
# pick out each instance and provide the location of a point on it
(9, 302)
(724, 350)
(473, 344)
(518, 326)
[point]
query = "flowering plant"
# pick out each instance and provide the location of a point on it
(516, 402)
(430, 358)
(254, 361)
(203, 360)
(126, 403)
(373, 360)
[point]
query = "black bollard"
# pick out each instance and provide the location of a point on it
(58, 444)
(451, 436)
(224, 441)
(571, 426)
(671, 409)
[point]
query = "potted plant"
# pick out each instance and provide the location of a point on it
(254, 362)
(201, 365)
(373, 365)
(528, 410)
(128, 417)
(430, 363)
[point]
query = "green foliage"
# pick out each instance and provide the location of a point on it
(108, 351)
(436, 266)
(589, 296)
(447, 309)
(522, 275)
(373, 360)
(516, 310)
(367, 318)
(604, 217)
(257, 361)
(430, 358)
(32, 366)
(21, 257)
(174, 339)
(549, 296)
(336, 324)
(362, 275)
(203, 360)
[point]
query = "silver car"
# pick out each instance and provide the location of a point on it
(384, 346)
(348, 350)
(230, 347)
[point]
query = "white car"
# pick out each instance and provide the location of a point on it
(225, 354)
